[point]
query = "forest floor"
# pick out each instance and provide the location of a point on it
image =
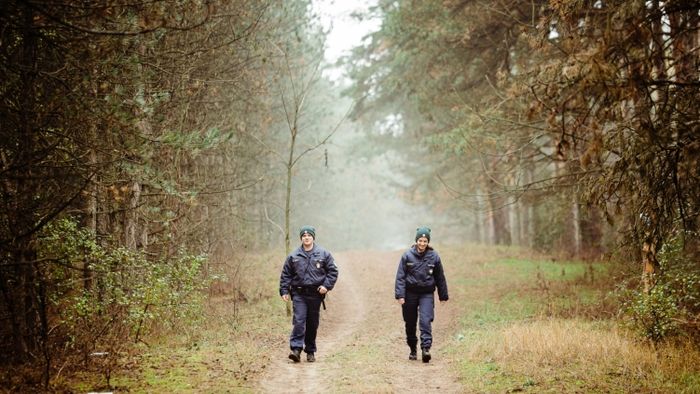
(515, 322)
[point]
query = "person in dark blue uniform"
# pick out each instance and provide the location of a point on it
(309, 272)
(420, 272)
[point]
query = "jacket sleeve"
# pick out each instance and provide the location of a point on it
(331, 273)
(400, 285)
(286, 276)
(440, 281)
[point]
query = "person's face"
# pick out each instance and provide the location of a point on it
(421, 244)
(307, 240)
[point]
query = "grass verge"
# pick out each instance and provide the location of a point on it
(535, 325)
(224, 354)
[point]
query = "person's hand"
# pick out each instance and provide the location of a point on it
(401, 301)
(285, 297)
(322, 290)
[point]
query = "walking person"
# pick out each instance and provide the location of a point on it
(309, 272)
(420, 272)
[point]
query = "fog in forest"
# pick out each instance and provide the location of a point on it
(157, 160)
(358, 201)
(352, 190)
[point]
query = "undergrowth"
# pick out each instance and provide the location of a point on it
(532, 324)
(223, 352)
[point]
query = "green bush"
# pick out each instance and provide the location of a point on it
(105, 298)
(668, 308)
(652, 314)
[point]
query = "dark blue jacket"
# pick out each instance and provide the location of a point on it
(420, 273)
(308, 269)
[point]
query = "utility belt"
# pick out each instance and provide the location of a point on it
(420, 289)
(308, 290)
(304, 290)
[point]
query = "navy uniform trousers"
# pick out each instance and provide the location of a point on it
(306, 308)
(416, 304)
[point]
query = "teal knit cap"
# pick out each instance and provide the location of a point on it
(423, 232)
(307, 230)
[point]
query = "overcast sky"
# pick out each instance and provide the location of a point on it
(346, 31)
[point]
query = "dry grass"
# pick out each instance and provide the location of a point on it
(246, 277)
(594, 356)
(222, 353)
(601, 347)
(525, 327)
(503, 341)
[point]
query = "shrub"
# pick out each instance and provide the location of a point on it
(670, 307)
(105, 298)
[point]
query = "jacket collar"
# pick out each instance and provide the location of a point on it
(300, 250)
(414, 250)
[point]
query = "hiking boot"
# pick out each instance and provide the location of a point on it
(413, 355)
(295, 355)
(426, 355)
(310, 357)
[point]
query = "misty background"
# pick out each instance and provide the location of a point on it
(151, 152)
(353, 189)
(356, 198)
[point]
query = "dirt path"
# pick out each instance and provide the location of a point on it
(361, 346)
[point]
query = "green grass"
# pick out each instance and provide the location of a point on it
(225, 354)
(176, 368)
(526, 325)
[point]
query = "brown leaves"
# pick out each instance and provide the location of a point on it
(562, 148)
(594, 149)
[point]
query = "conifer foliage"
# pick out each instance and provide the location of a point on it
(132, 144)
(564, 125)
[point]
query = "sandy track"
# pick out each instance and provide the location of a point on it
(361, 346)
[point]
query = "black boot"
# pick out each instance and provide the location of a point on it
(426, 354)
(310, 357)
(295, 355)
(412, 355)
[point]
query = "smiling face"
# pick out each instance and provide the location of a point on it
(421, 244)
(307, 241)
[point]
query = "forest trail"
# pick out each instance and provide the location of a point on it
(361, 342)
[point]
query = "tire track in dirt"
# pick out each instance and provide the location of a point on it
(361, 345)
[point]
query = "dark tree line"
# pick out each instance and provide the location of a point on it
(133, 143)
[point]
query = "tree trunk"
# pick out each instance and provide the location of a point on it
(483, 220)
(531, 225)
(478, 226)
(26, 335)
(521, 209)
(131, 217)
(22, 217)
(91, 213)
(576, 227)
(499, 214)
(591, 231)
(288, 201)
(288, 196)
(650, 265)
(514, 221)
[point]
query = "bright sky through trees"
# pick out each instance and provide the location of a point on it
(346, 31)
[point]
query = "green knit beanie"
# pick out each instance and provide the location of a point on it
(423, 232)
(307, 229)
